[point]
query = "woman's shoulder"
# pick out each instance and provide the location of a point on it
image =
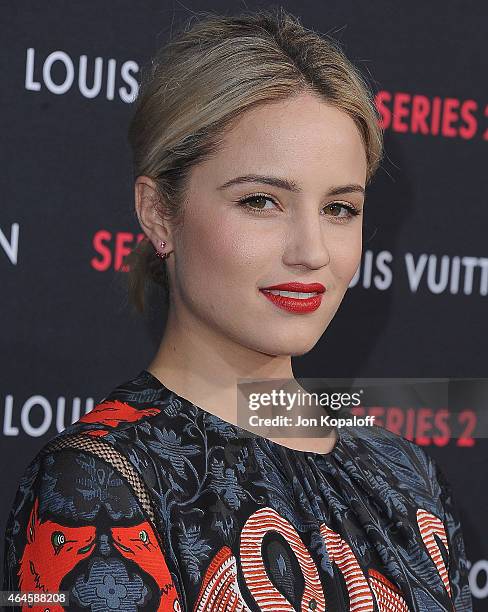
(385, 440)
(129, 406)
(398, 460)
(145, 432)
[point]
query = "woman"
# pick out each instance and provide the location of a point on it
(253, 141)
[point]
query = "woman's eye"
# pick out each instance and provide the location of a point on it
(349, 211)
(261, 203)
(257, 203)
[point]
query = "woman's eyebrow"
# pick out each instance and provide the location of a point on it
(288, 185)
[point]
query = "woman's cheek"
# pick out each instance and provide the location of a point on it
(345, 259)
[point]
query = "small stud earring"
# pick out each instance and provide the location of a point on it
(160, 253)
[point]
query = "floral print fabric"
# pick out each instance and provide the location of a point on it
(241, 523)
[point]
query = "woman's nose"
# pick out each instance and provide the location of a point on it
(306, 243)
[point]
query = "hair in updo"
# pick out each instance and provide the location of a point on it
(204, 78)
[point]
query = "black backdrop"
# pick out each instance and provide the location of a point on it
(67, 215)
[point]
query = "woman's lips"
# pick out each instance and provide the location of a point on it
(295, 303)
(300, 287)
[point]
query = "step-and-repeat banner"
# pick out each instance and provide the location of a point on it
(417, 306)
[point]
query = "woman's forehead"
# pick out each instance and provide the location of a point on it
(291, 134)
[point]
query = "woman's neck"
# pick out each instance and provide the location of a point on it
(205, 367)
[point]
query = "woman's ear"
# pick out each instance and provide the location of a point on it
(148, 210)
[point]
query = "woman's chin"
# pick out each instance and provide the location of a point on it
(293, 347)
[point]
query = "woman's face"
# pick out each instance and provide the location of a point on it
(225, 253)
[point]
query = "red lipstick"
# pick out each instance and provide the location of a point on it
(295, 303)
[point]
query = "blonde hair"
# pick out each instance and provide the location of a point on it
(204, 78)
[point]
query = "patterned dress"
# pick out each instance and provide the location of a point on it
(149, 502)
